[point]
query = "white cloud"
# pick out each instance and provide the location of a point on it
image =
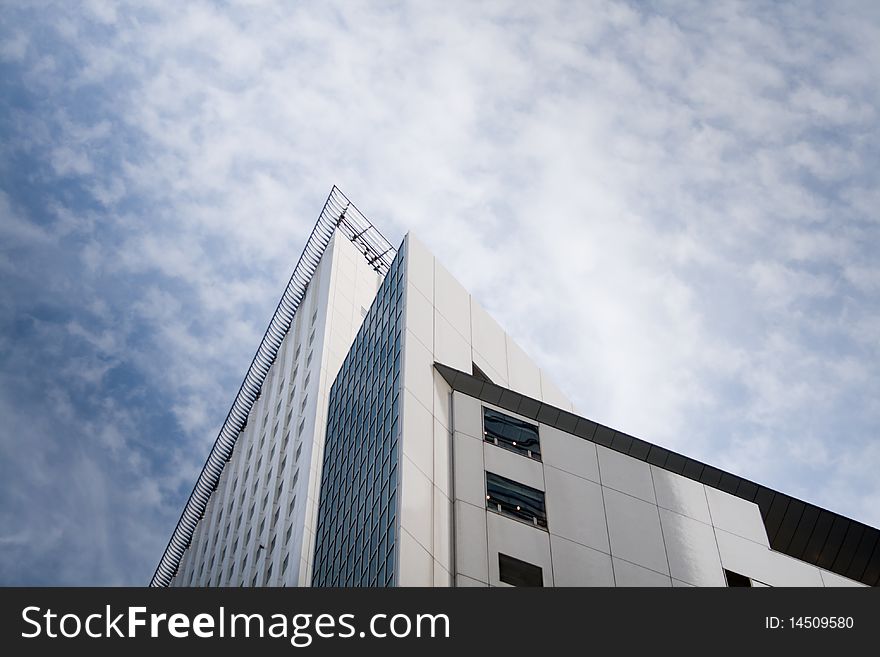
(14, 47)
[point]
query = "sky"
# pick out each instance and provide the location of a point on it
(674, 207)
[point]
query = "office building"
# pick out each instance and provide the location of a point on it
(390, 433)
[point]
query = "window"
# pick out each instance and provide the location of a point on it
(516, 500)
(511, 433)
(735, 579)
(516, 572)
(356, 520)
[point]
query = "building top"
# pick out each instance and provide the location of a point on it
(338, 214)
(794, 527)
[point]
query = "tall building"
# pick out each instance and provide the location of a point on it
(390, 433)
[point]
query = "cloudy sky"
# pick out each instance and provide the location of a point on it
(673, 206)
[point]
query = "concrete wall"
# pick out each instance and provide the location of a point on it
(612, 520)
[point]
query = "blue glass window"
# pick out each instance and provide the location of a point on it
(355, 534)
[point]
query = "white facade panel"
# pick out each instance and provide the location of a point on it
(420, 316)
(418, 431)
(513, 466)
(577, 565)
(442, 538)
(763, 564)
(442, 577)
(518, 540)
(634, 530)
(418, 370)
(680, 494)
(416, 567)
(442, 458)
(625, 474)
(471, 541)
(575, 510)
(629, 574)
(691, 550)
(468, 415)
(450, 347)
(569, 453)
(470, 473)
(442, 401)
(833, 579)
(452, 301)
(736, 516)
(418, 497)
(489, 341)
(420, 267)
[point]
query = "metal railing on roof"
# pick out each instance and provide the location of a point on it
(338, 214)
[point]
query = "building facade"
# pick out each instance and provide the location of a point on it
(401, 438)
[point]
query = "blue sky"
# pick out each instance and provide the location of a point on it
(673, 206)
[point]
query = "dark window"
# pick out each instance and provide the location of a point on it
(735, 579)
(514, 499)
(518, 573)
(510, 433)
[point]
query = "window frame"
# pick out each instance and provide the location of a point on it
(508, 443)
(511, 509)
